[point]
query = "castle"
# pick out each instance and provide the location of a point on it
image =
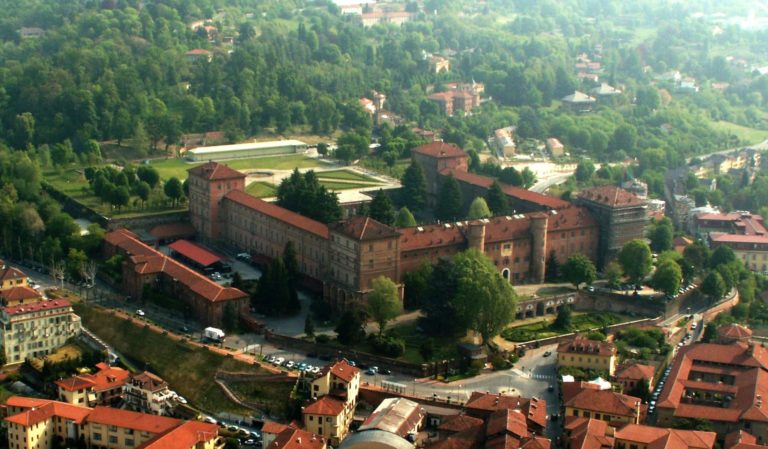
(342, 259)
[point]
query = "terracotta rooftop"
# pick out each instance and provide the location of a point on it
(459, 423)
(214, 171)
(195, 252)
(535, 410)
(743, 222)
(364, 229)
(273, 427)
(11, 273)
(581, 345)
(508, 421)
(660, 438)
(132, 420)
(42, 412)
(187, 435)
(518, 193)
(739, 437)
(587, 433)
(291, 438)
(611, 196)
(55, 304)
(20, 293)
(570, 389)
(148, 381)
(342, 370)
(738, 238)
(395, 415)
(467, 439)
(635, 371)
(279, 213)
(169, 230)
(326, 406)
(440, 150)
(106, 378)
(734, 332)
(605, 401)
(199, 51)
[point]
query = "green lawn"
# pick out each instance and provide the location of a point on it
(345, 175)
(744, 133)
(188, 369)
(545, 328)
(261, 189)
(178, 167)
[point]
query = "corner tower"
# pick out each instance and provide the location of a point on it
(208, 183)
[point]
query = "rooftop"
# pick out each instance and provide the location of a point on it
(577, 97)
(364, 229)
(216, 149)
(195, 252)
(106, 378)
(279, 213)
(659, 438)
(56, 304)
(734, 332)
(187, 435)
(132, 420)
(534, 409)
(10, 273)
(19, 293)
(396, 415)
(214, 171)
(515, 192)
(583, 345)
(291, 438)
(326, 406)
(611, 196)
(635, 371)
(440, 150)
(605, 401)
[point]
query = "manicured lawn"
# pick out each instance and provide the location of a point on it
(345, 175)
(188, 369)
(178, 167)
(744, 133)
(545, 328)
(261, 189)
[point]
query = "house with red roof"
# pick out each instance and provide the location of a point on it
(35, 423)
(606, 405)
(11, 277)
(104, 387)
(583, 353)
(15, 296)
(587, 433)
(631, 375)
(334, 392)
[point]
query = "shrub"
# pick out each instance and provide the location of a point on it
(499, 362)
(387, 346)
(323, 338)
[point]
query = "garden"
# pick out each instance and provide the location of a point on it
(547, 327)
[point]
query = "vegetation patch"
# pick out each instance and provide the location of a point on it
(743, 133)
(549, 328)
(261, 189)
(346, 175)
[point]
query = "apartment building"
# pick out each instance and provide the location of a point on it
(149, 393)
(588, 354)
(605, 405)
(34, 330)
(334, 392)
(103, 387)
(12, 277)
(585, 433)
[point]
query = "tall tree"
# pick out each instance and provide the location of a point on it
(414, 188)
(350, 328)
(497, 200)
(405, 218)
(449, 200)
(636, 261)
(382, 209)
(383, 302)
(613, 274)
(173, 190)
(713, 286)
(668, 277)
(579, 270)
(661, 235)
(478, 209)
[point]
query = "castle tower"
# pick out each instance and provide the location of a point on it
(476, 236)
(208, 184)
(539, 221)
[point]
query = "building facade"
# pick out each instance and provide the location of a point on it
(34, 330)
(588, 354)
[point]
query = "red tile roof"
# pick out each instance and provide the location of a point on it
(588, 433)
(534, 409)
(605, 401)
(10, 273)
(187, 435)
(148, 381)
(56, 304)
(467, 439)
(581, 345)
(41, 410)
(326, 406)
(459, 423)
(636, 371)
(199, 51)
(440, 150)
(273, 427)
(342, 370)
(395, 415)
(738, 238)
(107, 378)
(364, 229)
(20, 293)
(738, 437)
(514, 192)
(611, 196)
(297, 439)
(195, 252)
(508, 421)
(734, 332)
(659, 438)
(132, 420)
(278, 213)
(570, 218)
(214, 171)
(571, 389)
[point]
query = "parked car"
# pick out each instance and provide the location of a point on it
(385, 371)
(140, 312)
(548, 353)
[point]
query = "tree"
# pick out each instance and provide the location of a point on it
(140, 142)
(661, 235)
(405, 218)
(710, 333)
(613, 274)
(478, 209)
(350, 328)
(497, 200)
(414, 188)
(383, 302)
(584, 170)
(148, 174)
(449, 200)
(696, 255)
(303, 193)
(173, 190)
(721, 255)
(119, 197)
(713, 286)
(417, 286)
(309, 326)
(564, 320)
(382, 209)
(579, 269)
(668, 277)
(142, 190)
(636, 261)
(529, 178)
(553, 267)
(484, 300)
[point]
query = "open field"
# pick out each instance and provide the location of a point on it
(261, 189)
(744, 133)
(188, 369)
(545, 328)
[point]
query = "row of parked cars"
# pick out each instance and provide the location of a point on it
(657, 391)
(290, 364)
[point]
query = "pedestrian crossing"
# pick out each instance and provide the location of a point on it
(549, 377)
(534, 376)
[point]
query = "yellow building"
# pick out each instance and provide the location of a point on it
(335, 397)
(11, 277)
(587, 354)
(34, 330)
(102, 388)
(339, 379)
(34, 423)
(605, 405)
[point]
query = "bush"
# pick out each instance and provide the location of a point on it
(322, 338)
(596, 336)
(387, 346)
(499, 362)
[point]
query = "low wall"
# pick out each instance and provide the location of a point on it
(723, 306)
(617, 303)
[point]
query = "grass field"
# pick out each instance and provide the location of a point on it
(545, 328)
(744, 133)
(345, 175)
(178, 167)
(261, 189)
(188, 369)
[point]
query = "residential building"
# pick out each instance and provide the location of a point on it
(292, 438)
(606, 405)
(16, 296)
(751, 249)
(369, 19)
(639, 188)
(484, 405)
(149, 393)
(722, 383)
(633, 375)
(436, 157)
(35, 423)
(587, 354)
(732, 333)
(105, 387)
(438, 64)
(398, 416)
(620, 214)
(35, 330)
(334, 392)
(606, 93)
(578, 102)
(31, 32)
(503, 139)
(12, 277)
(586, 433)
(501, 428)
(458, 97)
(146, 268)
(555, 147)
(741, 223)
(656, 209)
(199, 54)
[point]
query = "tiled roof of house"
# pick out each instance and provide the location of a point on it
(734, 331)
(42, 410)
(581, 345)
(588, 433)
(364, 229)
(21, 309)
(106, 378)
(132, 420)
(459, 423)
(571, 389)
(326, 406)
(578, 97)
(273, 427)
(440, 150)
(291, 438)
(508, 421)
(635, 371)
(11, 273)
(195, 252)
(395, 415)
(19, 293)
(514, 192)
(738, 238)
(467, 439)
(279, 213)
(738, 437)
(534, 409)
(605, 401)
(660, 438)
(611, 196)
(148, 381)
(215, 171)
(168, 230)
(198, 52)
(341, 369)
(187, 435)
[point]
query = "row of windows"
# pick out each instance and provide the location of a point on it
(604, 361)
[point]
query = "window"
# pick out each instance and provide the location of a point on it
(575, 413)
(311, 418)
(129, 442)
(113, 439)
(97, 436)
(587, 415)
